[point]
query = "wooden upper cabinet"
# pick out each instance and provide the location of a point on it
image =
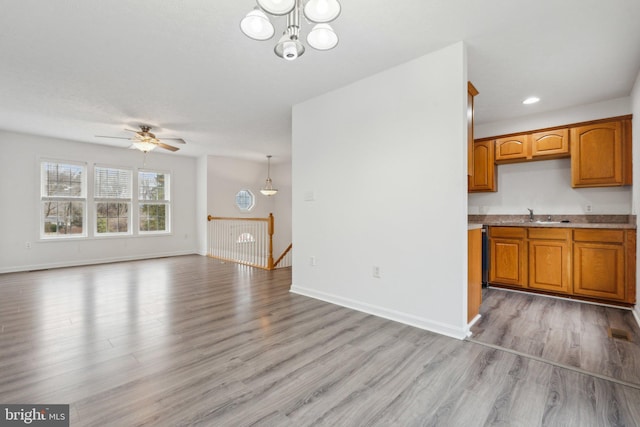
(512, 148)
(471, 93)
(483, 178)
(600, 154)
(550, 144)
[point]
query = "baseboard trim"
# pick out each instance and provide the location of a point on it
(77, 263)
(396, 316)
(473, 322)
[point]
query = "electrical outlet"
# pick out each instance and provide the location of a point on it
(312, 261)
(376, 271)
(27, 245)
(588, 208)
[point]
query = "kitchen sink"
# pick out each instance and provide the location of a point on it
(548, 222)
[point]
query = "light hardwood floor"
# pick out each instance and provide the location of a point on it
(192, 341)
(567, 332)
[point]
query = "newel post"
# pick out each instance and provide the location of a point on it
(270, 259)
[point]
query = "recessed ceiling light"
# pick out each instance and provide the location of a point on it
(531, 100)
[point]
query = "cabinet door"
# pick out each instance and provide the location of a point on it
(508, 262)
(550, 144)
(513, 148)
(550, 265)
(598, 270)
(484, 176)
(596, 155)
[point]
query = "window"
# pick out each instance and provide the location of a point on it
(112, 199)
(154, 202)
(63, 199)
(246, 238)
(245, 200)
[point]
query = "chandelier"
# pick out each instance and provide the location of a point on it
(256, 24)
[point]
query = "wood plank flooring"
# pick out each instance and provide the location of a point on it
(192, 341)
(566, 332)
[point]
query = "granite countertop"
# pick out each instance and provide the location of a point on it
(575, 221)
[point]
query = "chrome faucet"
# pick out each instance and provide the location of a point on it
(530, 214)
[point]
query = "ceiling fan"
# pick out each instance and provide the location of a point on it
(146, 141)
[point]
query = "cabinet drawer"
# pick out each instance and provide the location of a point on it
(509, 232)
(550, 233)
(590, 235)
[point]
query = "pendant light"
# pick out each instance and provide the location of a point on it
(268, 189)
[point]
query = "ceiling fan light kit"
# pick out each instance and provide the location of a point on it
(257, 26)
(146, 141)
(144, 146)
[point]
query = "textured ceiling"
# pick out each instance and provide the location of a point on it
(74, 69)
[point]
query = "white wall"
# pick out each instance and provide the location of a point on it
(19, 213)
(635, 108)
(202, 203)
(226, 176)
(384, 160)
(545, 186)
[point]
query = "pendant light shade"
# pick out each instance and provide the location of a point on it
(256, 25)
(268, 189)
(322, 37)
(277, 7)
(322, 11)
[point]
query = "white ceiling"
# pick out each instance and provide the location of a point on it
(74, 69)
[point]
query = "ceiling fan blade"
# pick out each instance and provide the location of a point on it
(130, 130)
(167, 147)
(114, 137)
(178, 140)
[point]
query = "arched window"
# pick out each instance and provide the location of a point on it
(246, 238)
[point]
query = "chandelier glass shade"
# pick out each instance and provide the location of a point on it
(322, 37)
(277, 7)
(322, 11)
(257, 26)
(268, 189)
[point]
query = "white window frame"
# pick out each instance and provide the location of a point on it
(120, 200)
(45, 198)
(166, 201)
(253, 200)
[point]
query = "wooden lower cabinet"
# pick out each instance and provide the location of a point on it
(589, 263)
(599, 270)
(604, 264)
(550, 265)
(508, 256)
(474, 292)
